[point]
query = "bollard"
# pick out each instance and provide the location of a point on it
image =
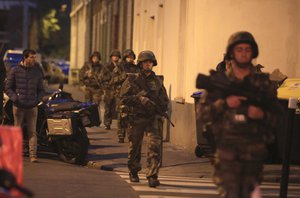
(285, 171)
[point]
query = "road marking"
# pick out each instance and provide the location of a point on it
(172, 186)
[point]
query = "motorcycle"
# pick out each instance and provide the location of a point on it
(61, 125)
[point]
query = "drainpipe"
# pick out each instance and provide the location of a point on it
(25, 25)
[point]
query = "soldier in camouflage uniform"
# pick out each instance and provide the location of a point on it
(128, 66)
(145, 96)
(128, 62)
(95, 78)
(241, 129)
(109, 98)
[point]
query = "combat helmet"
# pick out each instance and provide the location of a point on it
(97, 54)
(115, 52)
(241, 37)
(146, 55)
(128, 52)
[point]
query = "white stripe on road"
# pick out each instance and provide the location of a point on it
(192, 187)
(170, 178)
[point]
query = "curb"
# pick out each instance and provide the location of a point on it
(102, 166)
(293, 179)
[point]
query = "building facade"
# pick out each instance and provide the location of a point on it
(99, 25)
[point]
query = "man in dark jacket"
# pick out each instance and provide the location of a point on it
(25, 88)
(2, 78)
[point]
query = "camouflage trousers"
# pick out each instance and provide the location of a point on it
(239, 167)
(95, 96)
(153, 129)
(110, 106)
(121, 130)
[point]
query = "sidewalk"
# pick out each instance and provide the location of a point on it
(107, 154)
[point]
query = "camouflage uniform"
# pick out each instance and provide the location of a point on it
(118, 76)
(144, 116)
(112, 91)
(128, 68)
(241, 141)
(95, 78)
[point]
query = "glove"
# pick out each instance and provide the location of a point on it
(148, 104)
(144, 100)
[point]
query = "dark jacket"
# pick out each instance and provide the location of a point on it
(2, 74)
(2, 78)
(25, 86)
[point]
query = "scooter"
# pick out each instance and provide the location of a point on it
(61, 125)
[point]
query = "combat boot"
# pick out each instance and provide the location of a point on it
(153, 182)
(121, 140)
(134, 177)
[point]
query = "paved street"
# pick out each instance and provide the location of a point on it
(52, 178)
(106, 174)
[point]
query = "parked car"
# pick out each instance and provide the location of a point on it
(59, 68)
(53, 73)
(12, 58)
(64, 65)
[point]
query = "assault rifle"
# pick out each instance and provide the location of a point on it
(124, 116)
(156, 101)
(219, 82)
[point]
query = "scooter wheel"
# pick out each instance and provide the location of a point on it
(74, 149)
